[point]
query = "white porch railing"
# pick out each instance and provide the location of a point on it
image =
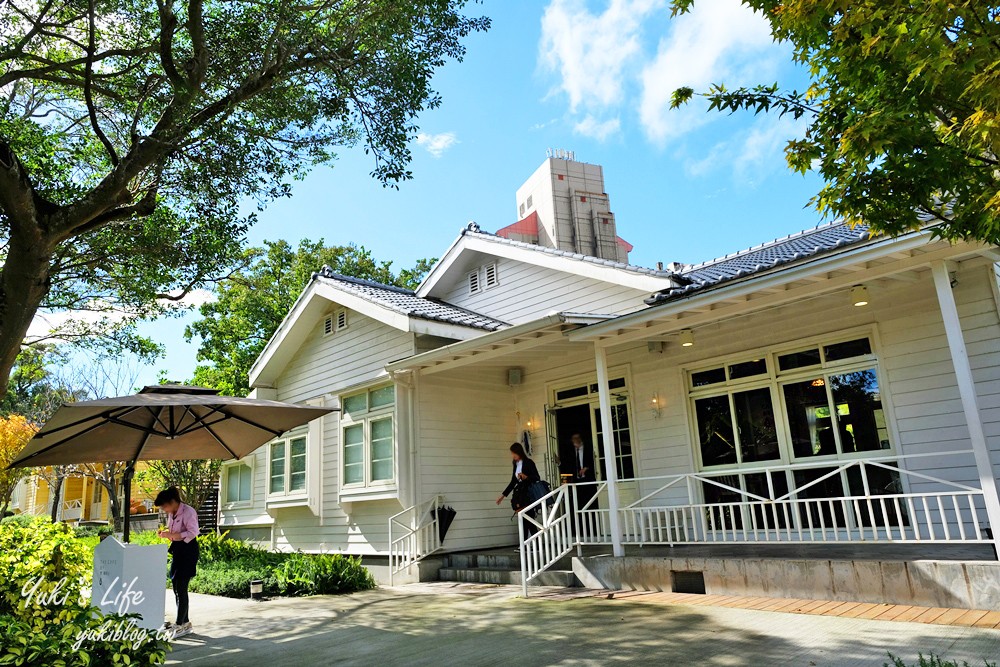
(71, 509)
(671, 510)
(413, 535)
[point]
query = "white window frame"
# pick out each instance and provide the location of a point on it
(286, 441)
(775, 380)
(365, 419)
(224, 490)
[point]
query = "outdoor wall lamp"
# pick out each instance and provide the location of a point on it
(687, 338)
(656, 405)
(859, 295)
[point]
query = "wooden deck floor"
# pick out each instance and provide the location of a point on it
(977, 618)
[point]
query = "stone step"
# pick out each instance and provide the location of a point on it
(486, 575)
(497, 560)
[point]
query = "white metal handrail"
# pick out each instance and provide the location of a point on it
(417, 535)
(950, 512)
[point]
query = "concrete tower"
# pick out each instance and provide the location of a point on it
(563, 205)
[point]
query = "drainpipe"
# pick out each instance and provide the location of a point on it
(608, 445)
(967, 390)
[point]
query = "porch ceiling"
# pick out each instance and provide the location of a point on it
(540, 339)
(901, 259)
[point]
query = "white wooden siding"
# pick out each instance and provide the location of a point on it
(527, 292)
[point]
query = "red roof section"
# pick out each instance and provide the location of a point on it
(624, 244)
(528, 225)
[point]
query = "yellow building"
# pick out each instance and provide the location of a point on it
(81, 498)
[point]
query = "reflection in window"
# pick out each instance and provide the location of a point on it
(859, 410)
(847, 350)
(809, 421)
(623, 441)
(715, 430)
(787, 362)
(755, 421)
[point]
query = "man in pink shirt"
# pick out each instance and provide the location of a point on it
(182, 531)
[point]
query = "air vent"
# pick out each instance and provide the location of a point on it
(474, 285)
(492, 280)
(688, 582)
(341, 320)
(328, 325)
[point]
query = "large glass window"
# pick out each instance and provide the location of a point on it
(821, 401)
(369, 437)
(238, 483)
(287, 466)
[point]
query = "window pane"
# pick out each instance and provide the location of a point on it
(705, 378)
(354, 454)
(232, 484)
(809, 423)
(355, 404)
(802, 359)
(245, 478)
(859, 410)
(715, 430)
(572, 393)
(747, 369)
(297, 481)
(848, 350)
(755, 421)
(623, 442)
(277, 467)
(383, 397)
(382, 446)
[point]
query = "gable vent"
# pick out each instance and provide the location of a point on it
(492, 280)
(328, 325)
(341, 320)
(475, 287)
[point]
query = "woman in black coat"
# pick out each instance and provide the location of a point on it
(524, 473)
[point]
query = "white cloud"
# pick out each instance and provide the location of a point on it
(597, 129)
(752, 154)
(718, 41)
(590, 51)
(436, 144)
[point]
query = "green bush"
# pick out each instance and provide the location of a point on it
(45, 558)
(86, 639)
(931, 660)
(22, 520)
(226, 567)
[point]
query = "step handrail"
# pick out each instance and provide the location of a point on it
(417, 535)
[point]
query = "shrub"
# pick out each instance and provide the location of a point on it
(45, 557)
(22, 520)
(85, 639)
(317, 574)
(231, 580)
(931, 660)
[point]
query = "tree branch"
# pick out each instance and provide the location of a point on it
(88, 82)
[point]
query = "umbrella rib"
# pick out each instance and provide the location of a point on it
(64, 440)
(251, 423)
(102, 415)
(199, 421)
(156, 416)
(219, 440)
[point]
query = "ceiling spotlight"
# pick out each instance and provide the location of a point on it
(859, 295)
(687, 338)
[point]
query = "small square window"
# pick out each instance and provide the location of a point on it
(561, 177)
(528, 204)
(583, 199)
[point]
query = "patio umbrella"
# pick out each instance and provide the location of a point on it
(161, 422)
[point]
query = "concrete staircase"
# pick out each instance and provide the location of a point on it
(502, 566)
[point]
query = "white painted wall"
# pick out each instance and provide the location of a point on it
(527, 292)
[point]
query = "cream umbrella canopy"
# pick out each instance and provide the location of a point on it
(161, 422)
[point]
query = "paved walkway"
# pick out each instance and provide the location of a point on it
(468, 625)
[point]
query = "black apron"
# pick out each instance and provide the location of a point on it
(184, 558)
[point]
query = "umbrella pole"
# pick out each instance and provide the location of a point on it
(127, 504)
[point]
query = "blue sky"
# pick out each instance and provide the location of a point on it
(592, 76)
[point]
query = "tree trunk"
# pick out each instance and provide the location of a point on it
(113, 503)
(24, 282)
(56, 492)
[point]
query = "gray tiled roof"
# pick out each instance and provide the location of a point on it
(474, 231)
(404, 301)
(759, 259)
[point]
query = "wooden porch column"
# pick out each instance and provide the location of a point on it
(967, 390)
(608, 445)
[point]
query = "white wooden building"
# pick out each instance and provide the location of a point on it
(827, 386)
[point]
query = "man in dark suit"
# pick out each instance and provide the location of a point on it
(581, 467)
